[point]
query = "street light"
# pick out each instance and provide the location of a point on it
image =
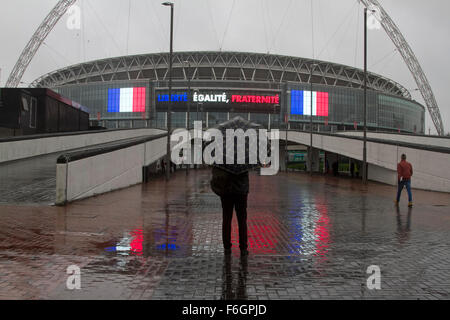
(201, 104)
(203, 115)
(313, 65)
(189, 93)
(188, 103)
(286, 121)
(364, 172)
(169, 108)
(286, 124)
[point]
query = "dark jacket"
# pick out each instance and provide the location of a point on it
(224, 183)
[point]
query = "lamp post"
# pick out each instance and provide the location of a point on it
(196, 114)
(275, 107)
(364, 171)
(313, 65)
(286, 156)
(188, 105)
(189, 94)
(201, 109)
(203, 115)
(169, 108)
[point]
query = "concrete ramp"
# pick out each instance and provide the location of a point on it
(438, 141)
(33, 179)
(430, 163)
(101, 169)
(22, 147)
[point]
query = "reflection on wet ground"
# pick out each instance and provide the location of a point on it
(309, 238)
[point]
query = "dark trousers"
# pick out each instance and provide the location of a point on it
(239, 203)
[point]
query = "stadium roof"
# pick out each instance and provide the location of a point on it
(217, 65)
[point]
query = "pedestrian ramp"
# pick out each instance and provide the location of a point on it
(22, 147)
(104, 168)
(429, 140)
(430, 162)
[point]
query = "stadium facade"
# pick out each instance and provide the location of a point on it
(132, 91)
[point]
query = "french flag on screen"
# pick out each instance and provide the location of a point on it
(301, 103)
(126, 100)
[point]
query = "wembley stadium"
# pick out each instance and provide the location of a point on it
(272, 90)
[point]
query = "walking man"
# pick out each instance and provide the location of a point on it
(405, 172)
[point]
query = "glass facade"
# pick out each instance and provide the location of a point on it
(261, 118)
(179, 119)
(160, 120)
(346, 110)
(215, 118)
(108, 102)
(401, 114)
(333, 108)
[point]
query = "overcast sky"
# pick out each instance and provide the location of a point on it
(119, 27)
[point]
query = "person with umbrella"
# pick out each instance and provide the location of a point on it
(231, 183)
(233, 190)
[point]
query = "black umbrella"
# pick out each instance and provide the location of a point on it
(250, 151)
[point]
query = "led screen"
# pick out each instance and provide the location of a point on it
(126, 100)
(301, 103)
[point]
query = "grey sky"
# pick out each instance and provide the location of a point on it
(275, 26)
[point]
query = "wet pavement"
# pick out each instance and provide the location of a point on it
(29, 181)
(309, 238)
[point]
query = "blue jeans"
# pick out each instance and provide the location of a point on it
(407, 184)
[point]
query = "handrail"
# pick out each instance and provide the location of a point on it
(62, 134)
(97, 150)
(376, 140)
(400, 134)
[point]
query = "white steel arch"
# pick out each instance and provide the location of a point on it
(388, 24)
(411, 61)
(36, 40)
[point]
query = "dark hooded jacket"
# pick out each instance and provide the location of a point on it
(224, 183)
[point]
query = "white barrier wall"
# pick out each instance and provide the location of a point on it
(106, 172)
(20, 149)
(428, 172)
(383, 175)
(430, 169)
(425, 140)
(346, 147)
